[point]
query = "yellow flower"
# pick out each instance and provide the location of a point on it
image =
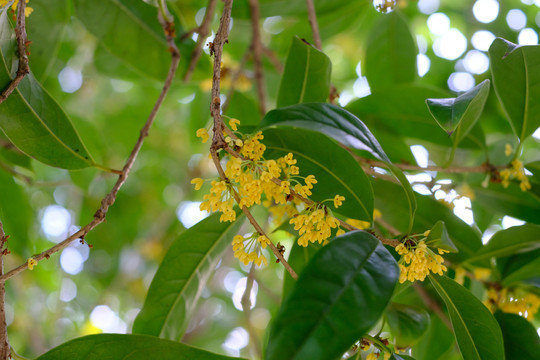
(359, 224)
(508, 150)
(372, 356)
(203, 134)
(27, 10)
(421, 260)
(482, 274)
(31, 263)
(233, 124)
(198, 183)
(338, 200)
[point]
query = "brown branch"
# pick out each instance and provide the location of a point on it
(273, 59)
(20, 35)
(110, 198)
(5, 352)
(312, 17)
(202, 32)
(257, 47)
(246, 306)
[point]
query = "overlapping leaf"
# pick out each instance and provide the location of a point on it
(521, 340)
(181, 277)
(132, 347)
(306, 77)
(343, 290)
(477, 333)
(334, 168)
(407, 323)
(32, 119)
(516, 79)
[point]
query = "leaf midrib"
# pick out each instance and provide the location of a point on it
(306, 73)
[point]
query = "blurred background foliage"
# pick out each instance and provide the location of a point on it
(76, 54)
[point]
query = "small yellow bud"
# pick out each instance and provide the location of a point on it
(233, 124)
(508, 150)
(31, 263)
(203, 134)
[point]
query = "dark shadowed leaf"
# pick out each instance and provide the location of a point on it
(438, 341)
(407, 323)
(343, 290)
(477, 333)
(306, 77)
(516, 79)
(518, 268)
(15, 214)
(336, 171)
(31, 118)
(391, 52)
(521, 341)
(181, 277)
(132, 347)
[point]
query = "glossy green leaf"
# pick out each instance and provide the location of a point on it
(306, 77)
(510, 201)
(336, 171)
(132, 347)
(438, 237)
(342, 126)
(181, 277)
(391, 52)
(9, 154)
(458, 115)
(15, 213)
(477, 333)
(52, 15)
(401, 357)
(142, 47)
(518, 268)
(403, 110)
(521, 340)
(343, 290)
(516, 239)
(436, 344)
(516, 79)
(407, 323)
(31, 118)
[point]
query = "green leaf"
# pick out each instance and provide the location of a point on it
(306, 77)
(299, 257)
(517, 239)
(521, 340)
(516, 79)
(132, 347)
(391, 52)
(458, 115)
(181, 277)
(142, 46)
(436, 344)
(510, 201)
(477, 333)
(343, 291)
(31, 118)
(518, 268)
(438, 238)
(342, 126)
(400, 357)
(52, 15)
(15, 214)
(11, 155)
(402, 109)
(336, 171)
(407, 323)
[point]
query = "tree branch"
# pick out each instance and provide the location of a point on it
(257, 48)
(99, 216)
(246, 306)
(5, 352)
(312, 17)
(202, 32)
(20, 35)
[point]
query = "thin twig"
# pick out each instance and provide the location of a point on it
(273, 59)
(246, 306)
(5, 352)
(110, 198)
(202, 32)
(312, 17)
(20, 35)
(257, 47)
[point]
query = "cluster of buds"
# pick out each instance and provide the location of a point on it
(516, 171)
(418, 260)
(523, 304)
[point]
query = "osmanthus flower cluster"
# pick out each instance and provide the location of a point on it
(515, 302)
(27, 10)
(274, 183)
(516, 171)
(418, 260)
